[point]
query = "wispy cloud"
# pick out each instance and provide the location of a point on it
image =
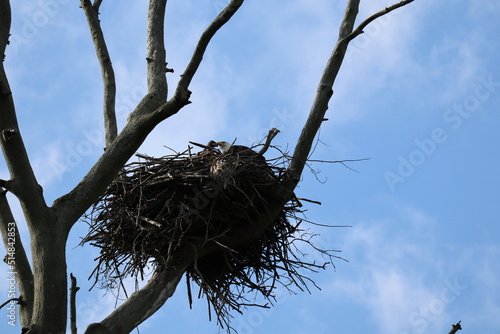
(397, 275)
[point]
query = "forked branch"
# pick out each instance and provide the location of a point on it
(359, 29)
(150, 112)
(108, 75)
(324, 91)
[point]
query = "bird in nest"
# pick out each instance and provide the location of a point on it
(240, 153)
(229, 148)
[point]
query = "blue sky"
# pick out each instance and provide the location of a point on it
(418, 94)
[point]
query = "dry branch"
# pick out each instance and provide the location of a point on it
(224, 16)
(108, 75)
(148, 113)
(324, 91)
(455, 328)
(72, 304)
(359, 29)
(156, 54)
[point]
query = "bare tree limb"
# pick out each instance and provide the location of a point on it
(149, 113)
(16, 259)
(48, 237)
(270, 136)
(323, 94)
(455, 328)
(23, 182)
(324, 91)
(359, 29)
(72, 297)
(156, 55)
(108, 75)
(97, 4)
(141, 304)
(224, 16)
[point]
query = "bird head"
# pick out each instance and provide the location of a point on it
(212, 144)
(224, 146)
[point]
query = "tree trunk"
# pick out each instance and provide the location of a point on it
(48, 248)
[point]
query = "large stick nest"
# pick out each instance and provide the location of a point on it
(157, 206)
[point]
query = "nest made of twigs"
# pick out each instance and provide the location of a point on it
(157, 206)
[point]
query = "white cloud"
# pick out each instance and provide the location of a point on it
(396, 274)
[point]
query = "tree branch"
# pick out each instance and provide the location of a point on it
(323, 94)
(324, 91)
(97, 4)
(72, 304)
(16, 259)
(149, 113)
(455, 328)
(141, 304)
(156, 55)
(221, 19)
(108, 75)
(270, 136)
(23, 182)
(359, 29)
(5, 21)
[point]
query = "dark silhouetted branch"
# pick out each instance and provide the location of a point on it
(72, 304)
(205, 38)
(141, 304)
(324, 91)
(359, 29)
(270, 136)
(454, 328)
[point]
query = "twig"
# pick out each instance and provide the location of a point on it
(456, 327)
(325, 87)
(72, 299)
(19, 301)
(270, 136)
(308, 200)
(108, 75)
(224, 16)
(210, 146)
(359, 29)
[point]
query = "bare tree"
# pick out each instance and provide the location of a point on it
(43, 285)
